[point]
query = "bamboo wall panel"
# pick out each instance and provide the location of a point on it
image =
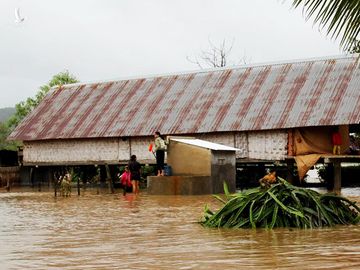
(71, 151)
(270, 145)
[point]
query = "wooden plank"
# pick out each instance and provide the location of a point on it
(72, 163)
(343, 158)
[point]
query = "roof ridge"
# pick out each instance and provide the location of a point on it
(255, 65)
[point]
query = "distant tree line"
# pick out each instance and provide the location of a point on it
(5, 113)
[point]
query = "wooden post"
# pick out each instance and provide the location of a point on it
(78, 186)
(290, 169)
(39, 179)
(337, 176)
(55, 186)
(8, 184)
(50, 177)
(31, 176)
(98, 179)
(108, 176)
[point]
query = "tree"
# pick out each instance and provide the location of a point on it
(339, 17)
(4, 133)
(216, 56)
(25, 107)
(356, 47)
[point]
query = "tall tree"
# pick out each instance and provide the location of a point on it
(216, 56)
(4, 133)
(356, 47)
(340, 18)
(25, 107)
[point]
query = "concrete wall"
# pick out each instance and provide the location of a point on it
(223, 169)
(188, 160)
(270, 145)
(179, 185)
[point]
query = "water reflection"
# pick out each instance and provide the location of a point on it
(110, 231)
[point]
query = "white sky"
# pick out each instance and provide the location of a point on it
(107, 39)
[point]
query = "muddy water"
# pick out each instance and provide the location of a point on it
(38, 231)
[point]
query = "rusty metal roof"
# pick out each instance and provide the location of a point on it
(259, 97)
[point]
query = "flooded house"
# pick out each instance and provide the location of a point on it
(275, 112)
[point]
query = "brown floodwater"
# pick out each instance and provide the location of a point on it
(110, 231)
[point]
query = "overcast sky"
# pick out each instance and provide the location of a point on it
(100, 40)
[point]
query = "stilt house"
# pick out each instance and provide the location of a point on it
(269, 111)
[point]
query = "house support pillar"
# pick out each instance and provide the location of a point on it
(337, 176)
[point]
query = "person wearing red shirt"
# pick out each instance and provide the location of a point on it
(337, 141)
(125, 179)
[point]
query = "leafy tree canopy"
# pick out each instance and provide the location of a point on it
(4, 133)
(356, 47)
(25, 107)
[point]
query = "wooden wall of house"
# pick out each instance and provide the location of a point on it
(269, 145)
(60, 151)
(86, 151)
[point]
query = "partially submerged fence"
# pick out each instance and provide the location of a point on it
(9, 176)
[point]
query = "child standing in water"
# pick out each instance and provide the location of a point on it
(125, 179)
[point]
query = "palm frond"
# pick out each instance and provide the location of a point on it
(340, 18)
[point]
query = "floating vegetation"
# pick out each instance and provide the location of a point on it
(281, 205)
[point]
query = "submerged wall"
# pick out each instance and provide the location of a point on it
(223, 169)
(9, 176)
(179, 185)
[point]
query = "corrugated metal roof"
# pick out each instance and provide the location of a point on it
(276, 96)
(205, 144)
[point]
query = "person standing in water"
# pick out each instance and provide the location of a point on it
(125, 179)
(135, 173)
